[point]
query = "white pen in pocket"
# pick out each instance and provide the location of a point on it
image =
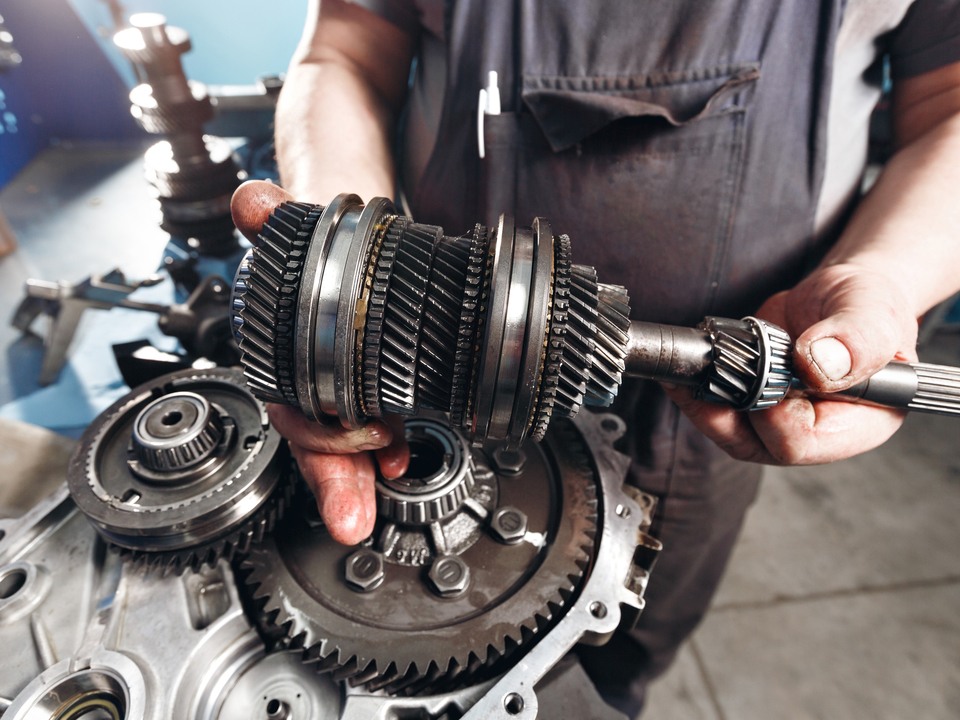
(488, 104)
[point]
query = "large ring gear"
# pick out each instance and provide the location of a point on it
(487, 564)
(468, 564)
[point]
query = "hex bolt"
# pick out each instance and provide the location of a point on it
(509, 462)
(364, 570)
(449, 576)
(508, 524)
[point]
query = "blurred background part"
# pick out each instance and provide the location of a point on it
(72, 83)
(75, 200)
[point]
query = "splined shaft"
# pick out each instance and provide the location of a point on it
(353, 310)
(193, 174)
(747, 364)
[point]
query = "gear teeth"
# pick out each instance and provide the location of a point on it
(559, 309)
(376, 308)
(606, 372)
(265, 294)
(413, 320)
(442, 322)
(752, 365)
(475, 288)
(403, 318)
(359, 664)
(233, 545)
(579, 346)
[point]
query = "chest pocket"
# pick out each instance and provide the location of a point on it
(641, 171)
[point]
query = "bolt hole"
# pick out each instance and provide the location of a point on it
(598, 609)
(250, 442)
(623, 511)
(277, 709)
(513, 704)
(610, 424)
(12, 582)
(2, 534)
(172, 418)
(130, 497)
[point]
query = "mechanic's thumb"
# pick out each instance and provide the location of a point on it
(854, 342)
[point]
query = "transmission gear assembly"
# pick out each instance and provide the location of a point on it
(182, 471)
(487, 565)
(352, 310)
(475, 556)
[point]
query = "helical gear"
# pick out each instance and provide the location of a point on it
(752, 363)
(417, 644)
(265, 301)
(497, 327)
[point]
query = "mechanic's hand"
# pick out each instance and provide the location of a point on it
(339, 465)
(847, 322)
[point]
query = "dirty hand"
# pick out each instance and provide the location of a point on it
(339, 465)
(847, 322)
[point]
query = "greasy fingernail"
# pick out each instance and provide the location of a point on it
(832, 357)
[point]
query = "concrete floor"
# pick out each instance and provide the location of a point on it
(76, 211)
(842, 600)
(843, 597)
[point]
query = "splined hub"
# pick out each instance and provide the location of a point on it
(173, 435)
(183, 470)
(353, 311)
(426, 605)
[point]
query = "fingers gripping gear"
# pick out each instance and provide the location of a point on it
(751, 364)
(350, 310)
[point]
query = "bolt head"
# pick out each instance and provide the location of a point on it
(509, 461)
(364, 571)
(508, 524)
(449, 576)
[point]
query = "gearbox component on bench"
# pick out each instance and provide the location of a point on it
(442, 594)
(183, 470)
(486, 567)
(353, 311)
(193, 174)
